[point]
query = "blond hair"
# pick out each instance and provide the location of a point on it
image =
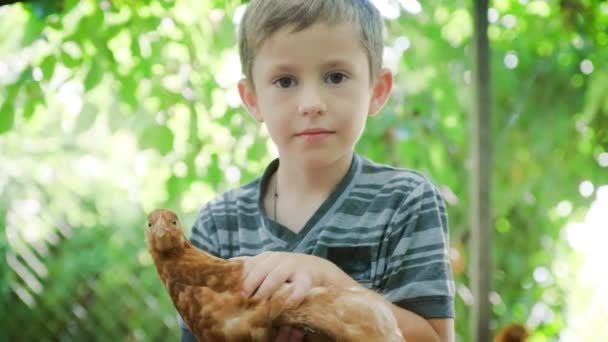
(263, 18)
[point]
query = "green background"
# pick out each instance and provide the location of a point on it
(109, 109)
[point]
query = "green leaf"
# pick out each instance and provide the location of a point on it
(69, 61)
(94, 76)
(128, 92)
(214, 171)
(32, 30)
(29, 108)
(93, 21)
(7, 116)
(7, 110)
(257, 150)
(174, 187)
(43, 8)
(167, 4)
(157, 137)
(48, 66)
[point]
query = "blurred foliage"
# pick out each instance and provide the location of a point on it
(109, 109)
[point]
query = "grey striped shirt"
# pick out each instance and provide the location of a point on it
(384, 226)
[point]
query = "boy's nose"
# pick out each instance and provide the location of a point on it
(311, 102)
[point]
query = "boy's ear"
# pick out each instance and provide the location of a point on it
(381, 90)
(247, 94)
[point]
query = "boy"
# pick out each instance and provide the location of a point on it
(321, 214)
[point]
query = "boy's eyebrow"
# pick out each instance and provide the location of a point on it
(331, 63)
(281, 67)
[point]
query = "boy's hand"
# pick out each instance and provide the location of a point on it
(290, 334)
(264, 274)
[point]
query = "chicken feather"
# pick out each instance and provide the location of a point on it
(206, 292)
(514, 332)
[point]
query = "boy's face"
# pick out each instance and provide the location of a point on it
(313, 91)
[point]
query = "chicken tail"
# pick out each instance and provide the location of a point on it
(358, 315)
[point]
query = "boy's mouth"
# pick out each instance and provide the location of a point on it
(315, 135)
(314, 131)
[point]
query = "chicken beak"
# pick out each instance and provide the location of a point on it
(158, 228)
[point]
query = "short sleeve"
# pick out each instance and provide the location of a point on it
(418, 275)
(204, 233)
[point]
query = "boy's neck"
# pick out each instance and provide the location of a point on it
(297, 183)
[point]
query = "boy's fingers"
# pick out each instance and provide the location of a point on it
(255, 274)
(297, 335)
(284, 334)
(252, 262)
(272, 282)
(301, 288)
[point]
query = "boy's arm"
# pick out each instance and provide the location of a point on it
(267, 271)
(416, 328)
(419, 276)
(413, 327)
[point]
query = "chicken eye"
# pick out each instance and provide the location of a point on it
(174, 223)
(149, 224)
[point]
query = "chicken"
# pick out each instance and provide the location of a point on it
(512, 333)
(206, 291)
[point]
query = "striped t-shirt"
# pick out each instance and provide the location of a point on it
(384, 226)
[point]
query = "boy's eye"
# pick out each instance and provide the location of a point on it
(285, 82)
(335, 78)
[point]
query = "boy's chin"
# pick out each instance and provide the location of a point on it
(312, 161)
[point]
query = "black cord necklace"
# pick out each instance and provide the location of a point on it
(276, 195)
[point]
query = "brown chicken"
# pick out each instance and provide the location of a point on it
(206, 291)
(512, 333)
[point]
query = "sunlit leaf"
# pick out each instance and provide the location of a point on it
(214, 171)
(68, 60)
(34, 27)
(157, 137)
(30, 106)
(48, 66)
(94, 76)
(44, 8)
(7, 109)
(257, 150)
(128, 92)
(7, 116)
